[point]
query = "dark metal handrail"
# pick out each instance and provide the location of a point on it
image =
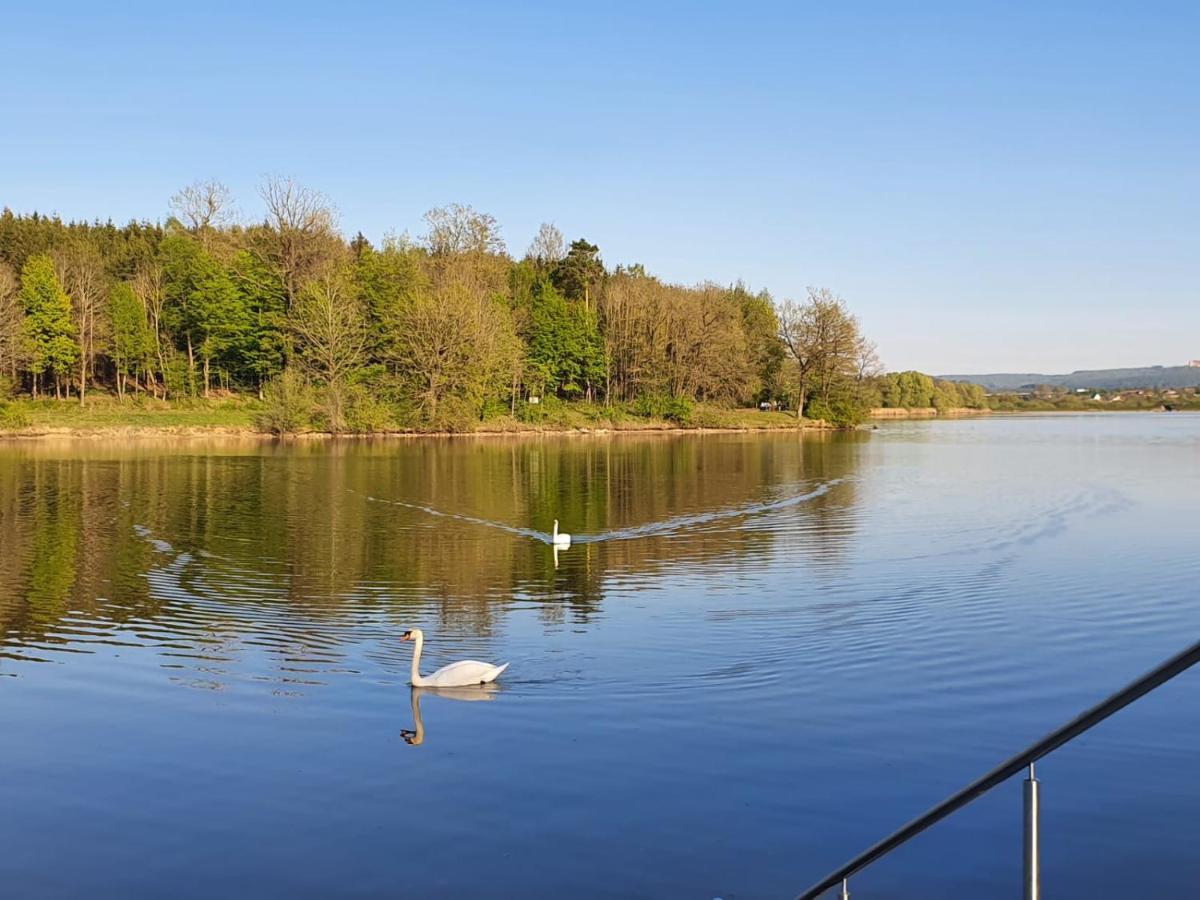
(1051, 742)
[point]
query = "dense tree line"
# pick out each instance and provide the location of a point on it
(916, 390)
(439, 331)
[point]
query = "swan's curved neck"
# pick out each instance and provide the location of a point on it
(418, 725)
(416, 660)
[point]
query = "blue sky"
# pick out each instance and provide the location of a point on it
(990, 186)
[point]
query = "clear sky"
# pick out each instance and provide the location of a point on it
(992, 187)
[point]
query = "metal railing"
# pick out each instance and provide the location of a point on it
(1023, 760)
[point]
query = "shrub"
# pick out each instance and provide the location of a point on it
(12, 417)
(534, 413)
(663, 406)
(494, 408)
(178, 378)
(616, 413)
(595, 413)
(706, 417)
(288, 405)
(454, 414)
(843, 407)
(548, 410)
(366, 413)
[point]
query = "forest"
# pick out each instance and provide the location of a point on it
(438, 332)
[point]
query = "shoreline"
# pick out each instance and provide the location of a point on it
(195, 432)
(241, 418)
(31, 434)
(895, 413)
(925, 412)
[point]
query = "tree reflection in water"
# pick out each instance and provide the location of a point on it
(207, 550)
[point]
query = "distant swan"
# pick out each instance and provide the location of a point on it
(458, 674)
(560, 539)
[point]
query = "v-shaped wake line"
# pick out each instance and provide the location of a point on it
(650, 529)
(523, 532)
(679, 523)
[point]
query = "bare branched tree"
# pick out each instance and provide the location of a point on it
(292, 207)
(548, 247)
(204, 206)
(81, 271)
(301, 237)
(868, 364)
(674, 340)
(150, 289)
(12, 314)
(331, 328)
(457, 229)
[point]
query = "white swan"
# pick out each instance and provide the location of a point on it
(558, 538)
(458, 674)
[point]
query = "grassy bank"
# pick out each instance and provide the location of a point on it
(105, 415)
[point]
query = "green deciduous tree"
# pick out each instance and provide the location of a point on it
(565, 352)
(916, 390)
(49, 333)
(209, 316)
(824, 345)
(262, 347)
(760, 325)
(907, 390)
(455, 342)
(132, 336)
(389, 279)
(973, 395)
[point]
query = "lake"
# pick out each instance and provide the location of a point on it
(762, 653)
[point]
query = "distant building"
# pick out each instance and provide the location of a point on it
(1195, 363)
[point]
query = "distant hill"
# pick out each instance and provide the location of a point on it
(1098, 379)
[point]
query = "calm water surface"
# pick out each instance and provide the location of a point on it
(761, 654)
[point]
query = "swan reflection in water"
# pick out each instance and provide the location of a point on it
(470, 694)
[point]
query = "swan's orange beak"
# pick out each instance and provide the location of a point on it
(407, 636)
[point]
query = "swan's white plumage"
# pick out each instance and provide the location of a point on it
(458, 674)
(560, 538)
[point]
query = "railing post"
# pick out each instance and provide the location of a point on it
(1033, 869)
(845, 889)
(1004, 772)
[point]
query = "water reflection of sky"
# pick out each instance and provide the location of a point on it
(760, 653)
